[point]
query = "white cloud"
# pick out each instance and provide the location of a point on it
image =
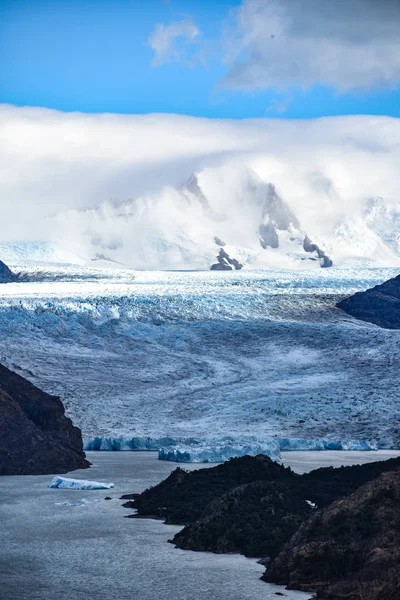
(166, 41)
(347, 44)
(108, 183)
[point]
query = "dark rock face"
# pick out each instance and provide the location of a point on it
(35, 435)
(182, 497)
(248, 505)
(225, 262)
(379, 305)
(268, 236)
(276, 216)
(6, 275)
(257, 518)
(349, 550)
(309, 246)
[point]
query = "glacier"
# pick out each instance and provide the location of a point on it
(78, 484)
(152, 359)
(139, 444)
(220, 450)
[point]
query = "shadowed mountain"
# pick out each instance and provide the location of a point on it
(379, 305)
(35, 435)
(6, 275)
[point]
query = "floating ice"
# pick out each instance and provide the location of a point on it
(78, 484)
(81, 502)
(221, 451)
(288, 444)
(218, 452)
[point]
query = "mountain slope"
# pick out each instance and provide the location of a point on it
(6, 275)
(35, 435)
(349, 550)
(379, 305)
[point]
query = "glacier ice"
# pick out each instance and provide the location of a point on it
(218, 452)
(119, 443)
(78, 484)
(81, 502)
(288, 444)
(147, 360)
(221, 451)
(203, 450)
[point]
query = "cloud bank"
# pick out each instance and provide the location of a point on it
(112, 184)
(350, 45)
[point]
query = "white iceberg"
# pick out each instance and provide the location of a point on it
(78, 484)
(218, 452)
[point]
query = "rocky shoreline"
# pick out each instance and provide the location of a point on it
(261, 509)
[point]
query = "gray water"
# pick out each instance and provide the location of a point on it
(50, 552)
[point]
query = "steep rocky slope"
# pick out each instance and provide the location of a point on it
(349, 550)
(6, 275)
(379, 305)
(35, 435)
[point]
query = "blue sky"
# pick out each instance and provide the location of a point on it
(221, 58)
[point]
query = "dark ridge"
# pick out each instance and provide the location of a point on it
(6, 275)
(225, 262)
(182, 497)
(309, 246)
(350, 549)
(35, 435)
(248, 505)
(379, 305)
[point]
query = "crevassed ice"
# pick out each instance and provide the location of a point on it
(192, 450)
(287, 444)
(218, 453)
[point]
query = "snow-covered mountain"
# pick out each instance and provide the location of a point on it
(171, 192)
(227, 218)
(222, 218)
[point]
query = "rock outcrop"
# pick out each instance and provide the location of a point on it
(6, 275)
(35, 435)
(349, 550)
(379, 305)
(225, 262)
(324, 260)
(250, 504)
